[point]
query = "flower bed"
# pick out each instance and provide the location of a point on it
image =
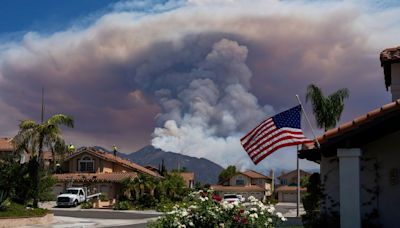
(200, 210)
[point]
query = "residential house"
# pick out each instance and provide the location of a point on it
(188, 177)
(248, 183)
(360, 160)
(7, 148)
(97, 170)
(287, 189)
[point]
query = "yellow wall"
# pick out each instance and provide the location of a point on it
(100, 165)
(247, 180)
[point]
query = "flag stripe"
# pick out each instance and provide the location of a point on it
(258, 126)
(266, 125)
(277, 146)
(277, 141)
(281, 130)
(275, 149)
(259, 137)
(269, 134)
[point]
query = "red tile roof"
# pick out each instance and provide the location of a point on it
(110, 157)
(6, 144)
(351, 125)
(250, 188)
(94, 177)
(286, 188)
(255, 175)
(390, 55)
(293, 171)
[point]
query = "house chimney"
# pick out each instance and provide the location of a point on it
(390, 61)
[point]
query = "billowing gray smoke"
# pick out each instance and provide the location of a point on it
(180, 77)
(207, 108)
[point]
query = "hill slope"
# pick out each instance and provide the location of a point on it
(205, 170)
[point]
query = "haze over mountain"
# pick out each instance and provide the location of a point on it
(205, 170)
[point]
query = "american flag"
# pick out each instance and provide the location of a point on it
(274, 133)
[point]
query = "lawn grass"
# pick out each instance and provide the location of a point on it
(20, 211)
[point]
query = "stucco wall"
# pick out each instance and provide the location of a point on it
(330, 182)
(246, 179)
(100, 165)
(395, 87)
(385, 153)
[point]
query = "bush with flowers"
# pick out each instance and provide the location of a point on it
(200, 210)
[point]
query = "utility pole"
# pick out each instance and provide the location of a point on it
(42, 115)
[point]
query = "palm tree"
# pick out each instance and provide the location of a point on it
(327, 110)
(33, 137)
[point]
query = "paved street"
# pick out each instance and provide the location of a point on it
(289, 209)
(75, 217)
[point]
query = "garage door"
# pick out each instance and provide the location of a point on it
(57, 189)
(289, 197)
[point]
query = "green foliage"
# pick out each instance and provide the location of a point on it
(16, 210)
(304, 181)
(46, 187)
(227, 173)
(32, 138)
(312, 201)
(146, 202)
(87, 205)
(172, 187)
(123, 205)
(104, 197)
(200, 210)
(327, 110)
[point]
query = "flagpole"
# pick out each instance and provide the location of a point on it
(308, 120)
(298, 183)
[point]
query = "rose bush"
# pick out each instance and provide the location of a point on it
(200, 210)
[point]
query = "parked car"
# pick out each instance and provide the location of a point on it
(230, 198)
(74, 196)
(241, 198)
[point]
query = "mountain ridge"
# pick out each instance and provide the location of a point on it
(206, 171)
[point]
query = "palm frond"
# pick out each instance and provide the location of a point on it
(27, 124)
(327, 110)
(61, 119)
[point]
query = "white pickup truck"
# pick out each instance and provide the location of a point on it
(74, 196)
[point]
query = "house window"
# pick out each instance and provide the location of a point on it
(86, 165)
(284, 182)
(239, 182)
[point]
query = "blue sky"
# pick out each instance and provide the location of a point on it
(46, 16)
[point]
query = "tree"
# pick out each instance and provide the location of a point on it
(327, 110)
(227, 173)
(34, 137)
(173, 186)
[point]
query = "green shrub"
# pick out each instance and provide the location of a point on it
(123, 205)
(14, 210)
(104, 197)
(146, 202)
(87, 205)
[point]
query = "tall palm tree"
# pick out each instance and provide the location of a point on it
(327, 110)
(33, 137)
